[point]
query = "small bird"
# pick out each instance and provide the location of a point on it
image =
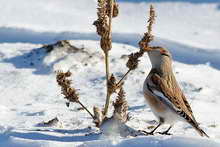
(163, 94)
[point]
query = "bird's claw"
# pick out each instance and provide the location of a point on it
(164, 133)
(145, 132)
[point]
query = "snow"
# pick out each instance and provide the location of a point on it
(29, 93)
(155, 142)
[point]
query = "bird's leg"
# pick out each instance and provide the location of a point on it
(166, 132)
(152, 132)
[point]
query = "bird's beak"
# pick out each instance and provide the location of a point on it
(147, 49)
(143, 46)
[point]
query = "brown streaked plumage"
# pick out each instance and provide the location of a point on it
(163, 93)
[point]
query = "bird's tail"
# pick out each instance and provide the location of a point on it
(193, 123)
(199, 130)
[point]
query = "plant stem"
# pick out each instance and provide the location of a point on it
(107, 102)
(107, 61)
(122, 79)
(87, 110)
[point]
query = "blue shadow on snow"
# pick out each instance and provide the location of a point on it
(34, 59)
(39, 135)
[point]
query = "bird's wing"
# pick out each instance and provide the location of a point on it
(172, 92)
(187, 105)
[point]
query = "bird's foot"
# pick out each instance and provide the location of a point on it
(145, 132)
(164, 133)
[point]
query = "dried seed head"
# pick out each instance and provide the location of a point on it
(106, 44)
(114, 6)
(148, 37)
(121, 107)
(101, 26)
(98, 116)
(112, 84)
(144, 43)
(108, 7)
(101, 9)
(151, 19)
(101, 23)
(133, 60)
(115, 10)
(68, 91)
(62, 75)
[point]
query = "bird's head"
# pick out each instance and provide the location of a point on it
(159, 56)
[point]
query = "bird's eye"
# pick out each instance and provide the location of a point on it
(163, 52)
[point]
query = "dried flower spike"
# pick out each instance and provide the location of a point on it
(101, 23)
(148, 37)
(121, 107)
(68, 91)
(98, 116)
(151, 19)
(115, 10)
(106, 10)
(133, 60)
(106, 43)
(144, 43)
(111, 84)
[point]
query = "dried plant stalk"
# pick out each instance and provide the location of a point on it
(148, 37)
(98, 116)
(107, 9)
(133, 60)
(69, 92)
(121, 107)
(109, 41)
(108, 95)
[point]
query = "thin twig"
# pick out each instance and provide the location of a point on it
(86, 110)
(122, 79)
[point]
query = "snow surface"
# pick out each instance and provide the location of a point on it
(29, 93)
